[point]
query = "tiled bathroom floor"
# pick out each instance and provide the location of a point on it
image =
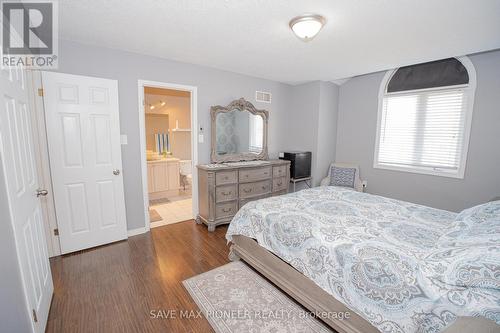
(173, 212)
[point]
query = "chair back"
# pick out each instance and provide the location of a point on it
(358, 185)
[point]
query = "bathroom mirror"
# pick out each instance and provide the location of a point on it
(239, 132)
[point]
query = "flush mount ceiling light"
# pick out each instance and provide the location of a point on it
(306, 27)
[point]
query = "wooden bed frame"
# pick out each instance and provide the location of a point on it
(297, 285)
(316, 300)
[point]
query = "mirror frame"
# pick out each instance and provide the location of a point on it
(240, 105)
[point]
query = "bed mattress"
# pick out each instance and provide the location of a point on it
(369, 252)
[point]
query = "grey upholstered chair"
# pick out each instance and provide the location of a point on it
(348, 176)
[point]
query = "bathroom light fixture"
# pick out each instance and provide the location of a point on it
(151, 107)
(306, 27)
(162, 103)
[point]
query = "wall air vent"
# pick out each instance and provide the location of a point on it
(262, 96)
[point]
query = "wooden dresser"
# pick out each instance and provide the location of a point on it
(224, 188)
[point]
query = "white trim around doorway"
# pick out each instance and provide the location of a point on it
(194, 140)
(39, 131)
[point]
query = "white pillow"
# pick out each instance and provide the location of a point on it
(489, 211)
(465, 265)
(476, 226)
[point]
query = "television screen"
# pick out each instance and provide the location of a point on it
(300, 166)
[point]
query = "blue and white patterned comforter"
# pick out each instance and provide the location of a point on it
(369, 252)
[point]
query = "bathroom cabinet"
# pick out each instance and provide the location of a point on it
(163, 177)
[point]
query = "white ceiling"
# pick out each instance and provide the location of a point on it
(252, 36)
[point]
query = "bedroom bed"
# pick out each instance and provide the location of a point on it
(392, 265)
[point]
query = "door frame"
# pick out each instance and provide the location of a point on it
(194, 142)
(43, 164)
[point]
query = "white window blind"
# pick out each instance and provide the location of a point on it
(423, 130)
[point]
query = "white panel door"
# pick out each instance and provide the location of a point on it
(17, 154)
(83, 132)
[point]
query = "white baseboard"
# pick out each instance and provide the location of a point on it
(138, 231)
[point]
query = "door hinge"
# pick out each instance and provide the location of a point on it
(35, 318)
(40, 92)
(56, 232)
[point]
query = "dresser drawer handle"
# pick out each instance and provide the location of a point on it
(226, 210)
(247, 190)
(266, 173)
(226, 193)
(280, 183)
(264, 187)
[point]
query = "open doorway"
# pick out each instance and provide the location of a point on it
(169, 153)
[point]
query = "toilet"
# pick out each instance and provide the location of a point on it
(186, 171)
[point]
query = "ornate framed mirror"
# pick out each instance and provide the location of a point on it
(239, 132)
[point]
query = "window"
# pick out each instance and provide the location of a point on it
(256, 133)
(424, 118)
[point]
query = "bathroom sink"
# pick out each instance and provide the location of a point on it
(160, 158)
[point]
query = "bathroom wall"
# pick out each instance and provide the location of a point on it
(178, 108)
(155, 123)
(181, 145)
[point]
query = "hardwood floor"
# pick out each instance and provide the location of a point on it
(113, 288)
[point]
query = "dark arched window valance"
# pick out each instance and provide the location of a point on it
(441, 73)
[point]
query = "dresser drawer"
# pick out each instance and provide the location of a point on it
(225, 177)
(279, 184)
(225, 209)
(226, 193)
(244, 201)
(251, 175)
(279, 171)
(253, 189)
(275, 194)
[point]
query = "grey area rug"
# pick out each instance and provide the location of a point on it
(236, 299)
(156, 202)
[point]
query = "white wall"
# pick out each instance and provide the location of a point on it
(327, 129)
(358, 102)
(312, 125)
(214, 87)
(303, 121)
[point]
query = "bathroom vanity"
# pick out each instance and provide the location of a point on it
(163, 177)
(240, 171)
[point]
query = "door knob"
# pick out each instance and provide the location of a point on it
(41, 193)
(116, 172)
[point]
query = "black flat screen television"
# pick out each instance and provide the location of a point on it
(300, 166)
